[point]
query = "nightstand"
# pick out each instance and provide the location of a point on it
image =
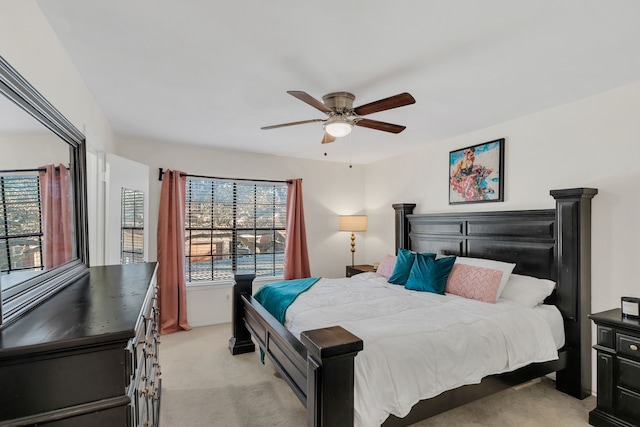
(357, 269)
(618, 364)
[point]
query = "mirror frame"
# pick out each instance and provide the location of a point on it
(40, 287)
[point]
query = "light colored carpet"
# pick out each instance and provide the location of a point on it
(204, 385)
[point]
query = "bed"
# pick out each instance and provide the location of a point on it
(550, 244)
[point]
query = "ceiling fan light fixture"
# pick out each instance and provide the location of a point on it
(338, 127)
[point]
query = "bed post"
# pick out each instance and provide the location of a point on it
(330, 376)
(573, 294)
(402, 224)
(240, 341)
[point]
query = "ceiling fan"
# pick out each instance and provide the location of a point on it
(342, 116)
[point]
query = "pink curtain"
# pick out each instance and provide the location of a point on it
(296, 257)
(172, 290)
(57, 215)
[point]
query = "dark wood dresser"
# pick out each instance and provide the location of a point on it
(618, 361)
(88, 356)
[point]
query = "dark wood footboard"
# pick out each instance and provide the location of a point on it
(318, 367)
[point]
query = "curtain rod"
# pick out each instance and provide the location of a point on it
(161, 172)
(22, 170)
(26, 170)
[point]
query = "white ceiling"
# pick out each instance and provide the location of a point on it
(212, 72)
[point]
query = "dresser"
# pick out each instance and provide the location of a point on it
(618, 363)
(88, 356)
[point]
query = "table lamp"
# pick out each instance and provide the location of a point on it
(352, 223)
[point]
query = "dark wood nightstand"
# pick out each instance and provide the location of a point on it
(618, 363)
(357, 269)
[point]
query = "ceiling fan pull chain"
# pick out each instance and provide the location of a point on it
(350, 150)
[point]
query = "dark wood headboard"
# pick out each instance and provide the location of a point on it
(550, 244)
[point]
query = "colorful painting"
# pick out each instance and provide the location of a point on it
(475, 173)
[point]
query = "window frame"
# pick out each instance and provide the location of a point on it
(277, 206)
(135, 253)
(34, 182)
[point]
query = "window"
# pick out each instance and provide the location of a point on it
(132, 226)
(234, 226)
(20, 224)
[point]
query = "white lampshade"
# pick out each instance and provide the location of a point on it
(337, 127)
(352, 223)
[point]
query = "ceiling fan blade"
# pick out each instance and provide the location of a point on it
(374, 124)
(328, 138)
(395, 101)
(305, 97)
(292, 124)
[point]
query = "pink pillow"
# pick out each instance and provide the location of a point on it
(386, 266)
(473, 282)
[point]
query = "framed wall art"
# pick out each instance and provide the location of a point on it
(476, 173)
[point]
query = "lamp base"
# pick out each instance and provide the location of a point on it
(353, 248)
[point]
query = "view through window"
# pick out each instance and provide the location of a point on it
(132, 226)
(234, 226)
(20, 224)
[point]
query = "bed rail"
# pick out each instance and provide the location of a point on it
(318, 367)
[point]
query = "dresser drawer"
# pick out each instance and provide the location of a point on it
(628, 406)
(628, 345)
(605, 336)
(629, 374)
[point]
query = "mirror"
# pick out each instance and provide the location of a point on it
(36, 232)
(42, 198)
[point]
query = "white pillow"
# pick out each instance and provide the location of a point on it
(526, 290)
(505, 267)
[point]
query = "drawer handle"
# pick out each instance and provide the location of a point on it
(633, 347)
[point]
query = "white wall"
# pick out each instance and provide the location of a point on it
(95, 210)
(329, 189)
(123, 173)
(32, 150)
(594, 142)
(30, 45)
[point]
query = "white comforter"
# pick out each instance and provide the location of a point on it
(419, 344)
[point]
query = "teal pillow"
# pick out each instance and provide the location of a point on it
(404, 262)
(429, 274)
